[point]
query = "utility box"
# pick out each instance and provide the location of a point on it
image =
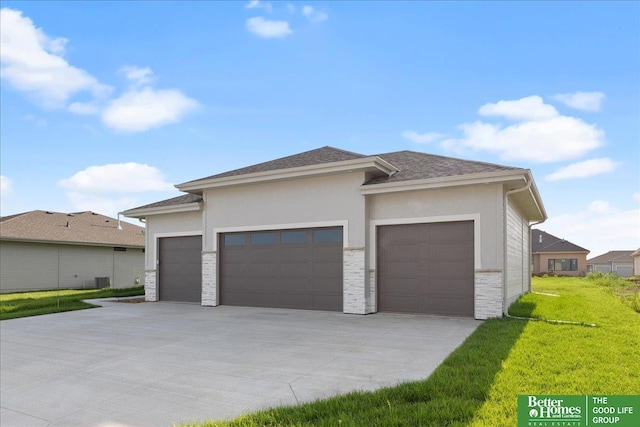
(102, 282)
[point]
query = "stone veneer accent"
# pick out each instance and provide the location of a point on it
(150, 290)
(371, 297)
(488, 294)
(353, 276)
(209, 282)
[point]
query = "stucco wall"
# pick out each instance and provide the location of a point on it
(277, 204)
(32, 266)
(636, 265)
(168, 225)
(483, 201)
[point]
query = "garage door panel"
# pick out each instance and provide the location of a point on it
(180, 268)
(296, 269)
(432, 275)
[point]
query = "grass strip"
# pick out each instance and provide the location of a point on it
(25, 304)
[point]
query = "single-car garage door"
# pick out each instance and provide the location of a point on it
(299, 268)
(426, 268)
(180, 268)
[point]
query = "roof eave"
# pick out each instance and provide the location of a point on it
(160, 210)
(372, 164)
(70, 242)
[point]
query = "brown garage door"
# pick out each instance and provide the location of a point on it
(180, 269)
(426, 268)
(284, 269)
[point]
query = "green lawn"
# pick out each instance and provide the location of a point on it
(24, 304)
(478, 383)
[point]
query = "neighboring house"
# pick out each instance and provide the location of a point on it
(636, 262)
(334, 230)
(49, 250)
(618, 262)
(551, 254)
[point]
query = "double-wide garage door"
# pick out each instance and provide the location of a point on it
(426, 268)
(299, 268)
(180, 269)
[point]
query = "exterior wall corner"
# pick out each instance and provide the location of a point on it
(354, 281)
(488, 294)
(209, 279)
(150, 286)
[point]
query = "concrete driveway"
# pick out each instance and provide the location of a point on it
(153, 364)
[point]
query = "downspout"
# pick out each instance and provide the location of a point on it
(504, 239)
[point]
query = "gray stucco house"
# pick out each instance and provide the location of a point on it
(47, 250)
(335, 230)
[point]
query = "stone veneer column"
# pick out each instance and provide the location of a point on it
(353, 277)
(372, 295)
(209, 282)
(488, 294)
(150, 290)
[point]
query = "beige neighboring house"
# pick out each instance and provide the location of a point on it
(553, 255)
(329, 229)
(636, 262)
(49, 250)
(618, 262)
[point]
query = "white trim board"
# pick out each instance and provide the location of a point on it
(477, 242)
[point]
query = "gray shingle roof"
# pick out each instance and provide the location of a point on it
(180, 200)
(414, 165)
(81, 227)
(619, 256)
(542, 242)
(308, 158)
(411, 165)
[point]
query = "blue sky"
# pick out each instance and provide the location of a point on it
(106, 105)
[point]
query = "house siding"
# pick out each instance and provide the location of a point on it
(28, 266)
(517, 281)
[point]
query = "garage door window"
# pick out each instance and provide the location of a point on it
(327, 235)
(268, 238)
(235, 239)
(292, 237)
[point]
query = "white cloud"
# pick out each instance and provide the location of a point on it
(600, 227)
(421, 138)
(138, 76)
(84, 108)
(268, 28)
(583, 169)
(257, 4)
(542, 136)
(5, 186)
(32, 62)
(587, 101)
(118, 178)
(636, 197)
(313, 15)
(144, 109)
(528, 108)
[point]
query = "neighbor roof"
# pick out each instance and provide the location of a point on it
(619, 256)
(80, 227)
(180, 200)
(542, 242)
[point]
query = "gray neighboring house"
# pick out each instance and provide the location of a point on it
(330, 229)
(618, 262)
(49, 250)
(636, 262)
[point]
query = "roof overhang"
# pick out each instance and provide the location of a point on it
(160, 210)
(529, 200)
(373, 164)
(72, 243)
